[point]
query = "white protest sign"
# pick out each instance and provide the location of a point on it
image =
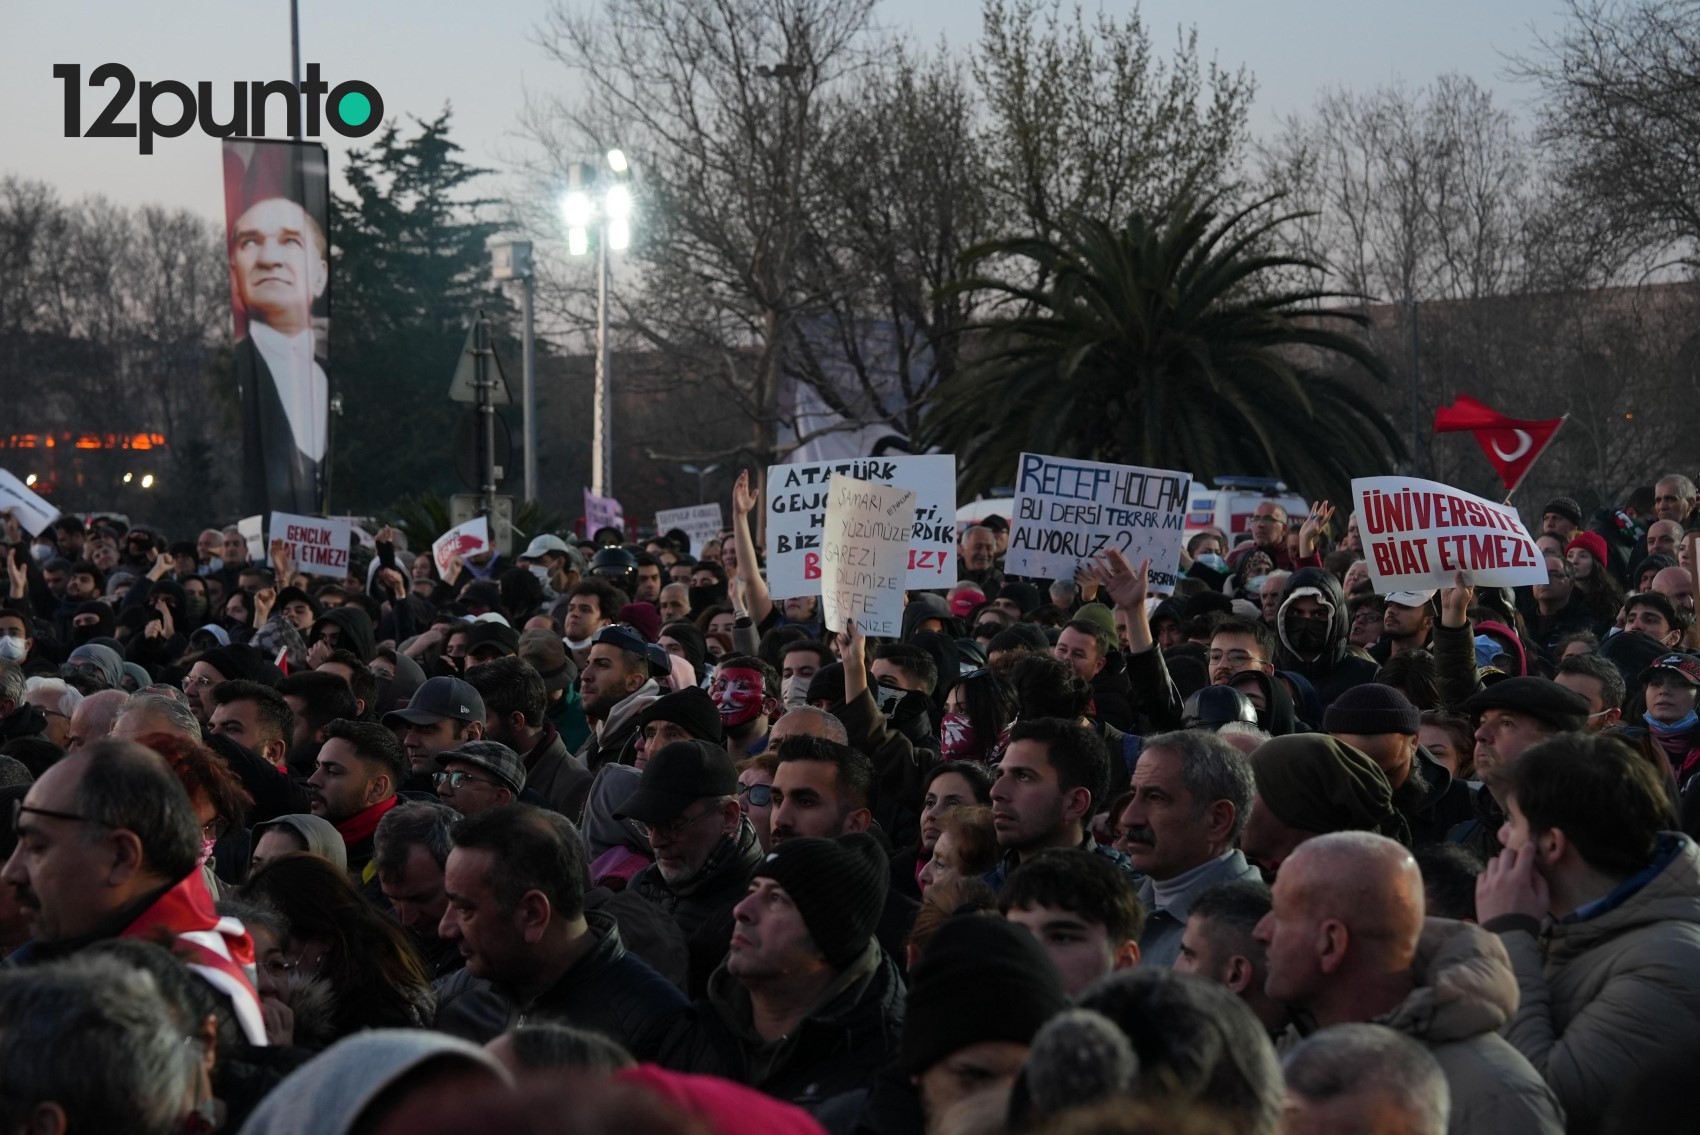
(1067, 511)
(253, 530)
(17, 498)
(602, 512)
(796, 518)
(318, 547)
(701, 522)
(462, 540)
(1419, 534)
(864, 556)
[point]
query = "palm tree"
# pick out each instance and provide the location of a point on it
(1173, 343)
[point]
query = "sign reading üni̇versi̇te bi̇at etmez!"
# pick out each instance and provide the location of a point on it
(1419, 535)
(796, 498)
(864, 555)
(1067, 511)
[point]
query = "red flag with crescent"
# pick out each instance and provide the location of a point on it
(1511, 445)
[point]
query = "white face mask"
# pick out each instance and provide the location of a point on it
(542, 574)
(12, 649)
(795, 691)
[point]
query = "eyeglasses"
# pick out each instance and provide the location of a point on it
(1266, 520)
(459, 777)
(54, 713)
(19, 808)
(672, 829)
(760, 795)
(195, 682)
(277, 968)
(1232, 657)
(214, 829)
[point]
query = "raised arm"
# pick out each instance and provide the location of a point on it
(749, 567)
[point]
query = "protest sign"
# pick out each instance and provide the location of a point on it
(462, 540)
(253, 530)
(1419, 534)
(318, 547)
(602, 512)
(701, 522)
(864, 555)
(1067, 511)
(18, 499)
(796, 518)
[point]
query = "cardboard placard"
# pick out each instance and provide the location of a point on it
(319, 547)
(253, 530)
(33, 513)
(1419, 534)
(462, 540)
(796, 497)
(865, 555)
(602, 512)
(1067, 511)
(701, 522)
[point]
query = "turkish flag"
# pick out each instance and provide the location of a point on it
(1510, 444)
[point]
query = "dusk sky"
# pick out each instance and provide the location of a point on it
(478, 57)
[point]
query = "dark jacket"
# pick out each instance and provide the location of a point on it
(356, 627)
(556, 775)
(25, 721)
(702, 907)
(1480, 833)
(1455, 661)
(276, 474)
(836, 1048)
(1277, 717)
(1434, 806)
(607, 991)
(1112, 696)
(900, 767)
(1155, 698)
(1335, 669)
(1546, 630)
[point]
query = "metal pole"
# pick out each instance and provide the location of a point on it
(487, 419)
(530, 383)
(295, 58)
(602, 442)
(1416, 385)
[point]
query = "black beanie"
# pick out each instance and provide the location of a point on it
(827, 685)
(837, 885)
(980, 978)
(244, 663)
(691, 709)
(1370, 709)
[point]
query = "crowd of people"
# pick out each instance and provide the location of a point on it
(605, 836)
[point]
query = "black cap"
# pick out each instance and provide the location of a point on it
(624, 637)
(995, 522)
(677, 776)
(491, 633)
(1565, 507)
(437, 699)
(837, 885)
(1541, 698)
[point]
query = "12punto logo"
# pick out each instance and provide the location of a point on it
(352, 108)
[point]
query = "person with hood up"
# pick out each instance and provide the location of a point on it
(1381, 723)
(1598, 907)
(705, 848)
(1309, 785)
(1314, 631)
(341, 628)
(1271, 699)
(98, 659)
(1348, 943)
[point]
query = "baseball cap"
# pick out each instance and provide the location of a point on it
(623, 637)
(437, 699)
(491, 633)
(1685, 665)
(494, 757)
(543, 545)
(677, 775)
(1411, 598)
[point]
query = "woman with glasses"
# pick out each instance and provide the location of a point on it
(755, 793)
(221, 804)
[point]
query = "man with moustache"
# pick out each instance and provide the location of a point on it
(278, 271)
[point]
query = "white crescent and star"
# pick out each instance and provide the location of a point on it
(1524, 441)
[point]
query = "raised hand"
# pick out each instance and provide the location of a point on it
(1126, 587)
(743, 495)
(1455, 602)
(1315, 527)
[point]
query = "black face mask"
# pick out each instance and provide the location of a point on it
(80, 635)
(195, 611)
(702, 598)
(906, 710)
(1307, 637)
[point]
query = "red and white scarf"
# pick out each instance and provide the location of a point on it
(185, 920)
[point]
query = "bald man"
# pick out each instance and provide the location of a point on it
(806, 721)
(93, 717)
(1347, 942)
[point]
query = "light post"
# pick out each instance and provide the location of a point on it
(612, 217)
(700, 474)
(510, 259)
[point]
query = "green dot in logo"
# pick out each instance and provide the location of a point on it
(354, 108)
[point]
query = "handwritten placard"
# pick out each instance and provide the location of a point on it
(796, 518)
(1067, 511)
(1420, 534)
(865, 555)
(318, 547)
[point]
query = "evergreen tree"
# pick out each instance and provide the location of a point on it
(410, 270)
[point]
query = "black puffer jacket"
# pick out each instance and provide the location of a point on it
(838, 1047)
(1335, 669)
(702, 907)
(608, 991)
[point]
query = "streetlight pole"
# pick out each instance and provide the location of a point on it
(612, 218)
(511, 260)
(602, 440)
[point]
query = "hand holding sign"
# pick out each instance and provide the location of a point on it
(864, 554)
(1126, 588)
(1455, 603)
